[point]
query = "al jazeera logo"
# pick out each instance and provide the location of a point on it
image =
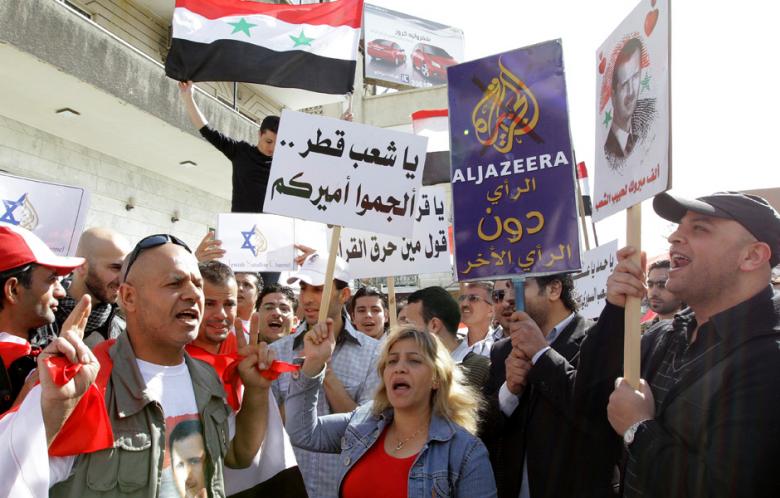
(507, 111)
(20, 212)
(254, 241)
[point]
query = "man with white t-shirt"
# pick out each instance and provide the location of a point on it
(154, 388)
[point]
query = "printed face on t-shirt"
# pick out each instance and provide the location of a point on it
(187, 453)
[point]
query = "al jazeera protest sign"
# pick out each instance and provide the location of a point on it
(257, 242)
(346, 174)
(54, 212)
(512, 168)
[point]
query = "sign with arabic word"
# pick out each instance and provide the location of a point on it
(513, 191)
(257, 242)
(55, 213)
(346, 174)
(590, 284)
(633, 120)
(427, 251)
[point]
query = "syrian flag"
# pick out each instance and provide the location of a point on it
(582, 177)
(434, 124)
(313, 46)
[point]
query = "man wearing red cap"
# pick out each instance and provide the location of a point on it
(705, 419)
(30, 288)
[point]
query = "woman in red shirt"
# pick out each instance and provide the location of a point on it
(415, 439)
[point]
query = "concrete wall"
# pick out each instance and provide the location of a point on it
(32, 153)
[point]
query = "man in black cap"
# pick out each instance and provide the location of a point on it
(706, 418)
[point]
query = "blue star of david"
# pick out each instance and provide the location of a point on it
(10, 207)
(247, 240)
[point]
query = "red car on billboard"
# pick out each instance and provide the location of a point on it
(387, 51)
(432, 62)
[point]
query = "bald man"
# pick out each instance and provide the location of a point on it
(104, 250)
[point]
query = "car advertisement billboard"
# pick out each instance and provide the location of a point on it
(403, 50)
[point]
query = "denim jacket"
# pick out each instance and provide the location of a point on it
(452, 461)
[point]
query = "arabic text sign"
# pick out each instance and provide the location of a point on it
(55, 213)
(512, 167)
(426, 251)
(632, 111)
(346, 174)
(257, 242)
(591, 283)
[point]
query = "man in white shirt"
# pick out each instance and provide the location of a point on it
(476, 311)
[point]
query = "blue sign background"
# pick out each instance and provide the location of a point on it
(514, 198)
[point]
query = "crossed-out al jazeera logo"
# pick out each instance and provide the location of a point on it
(507, 111)
(20, 212)
(254, 241)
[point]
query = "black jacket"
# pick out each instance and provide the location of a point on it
(717, 433)
(570, 448)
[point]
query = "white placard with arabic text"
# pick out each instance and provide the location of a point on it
(344, 173)
(55, 213)
(257, 242)
(427, 251)
(591, 283)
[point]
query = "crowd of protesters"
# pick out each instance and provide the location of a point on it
(154, 370)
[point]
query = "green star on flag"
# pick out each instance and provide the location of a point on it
(242, 26)
(646, 83)
(301, 39)
(607, 118)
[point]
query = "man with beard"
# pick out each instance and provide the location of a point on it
(104, 250)
(503, 307)
(663, 303)
(530, 406)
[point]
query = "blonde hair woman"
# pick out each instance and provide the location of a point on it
(417, 437)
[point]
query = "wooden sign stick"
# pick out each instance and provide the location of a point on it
(391, 302)
(633, 332)
(327, 290)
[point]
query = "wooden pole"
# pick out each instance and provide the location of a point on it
(633, 333)
(327, 290)
(391, 303)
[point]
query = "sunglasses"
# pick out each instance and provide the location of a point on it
(149, 242)
(472, 298)
(499, 295)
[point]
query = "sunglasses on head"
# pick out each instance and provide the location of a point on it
(149, 242)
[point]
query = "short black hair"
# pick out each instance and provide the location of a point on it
(626, 51)
(259, 285)
(567, 288)
(438, 303)
(23, 274)
(275, 288)
(661, 263)
(183, 430)
(270, 123)
(215, 272)
(367, 291)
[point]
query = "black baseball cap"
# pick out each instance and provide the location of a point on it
(751, 211)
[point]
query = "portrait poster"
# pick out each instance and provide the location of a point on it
(257, 242)
(403, 50)
(345, 173)
(633, 118)
(370, 254)
(590, 285)
(56, 213)
(515, 210)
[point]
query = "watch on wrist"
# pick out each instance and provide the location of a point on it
(628, 436)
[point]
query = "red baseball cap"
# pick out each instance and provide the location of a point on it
(19, 247)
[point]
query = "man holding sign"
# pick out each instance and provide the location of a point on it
(705, 419)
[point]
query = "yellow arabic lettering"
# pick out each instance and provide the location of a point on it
(499, 228)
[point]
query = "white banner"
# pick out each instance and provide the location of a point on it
(427, 251)
(56, 213)
(591, 283)
(257, 242)
(633, 120)
(347, 174)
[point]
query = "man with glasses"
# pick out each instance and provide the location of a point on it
(503, 307)
(662, 302)
(30, 290)
(476, 311)
(152, 385)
